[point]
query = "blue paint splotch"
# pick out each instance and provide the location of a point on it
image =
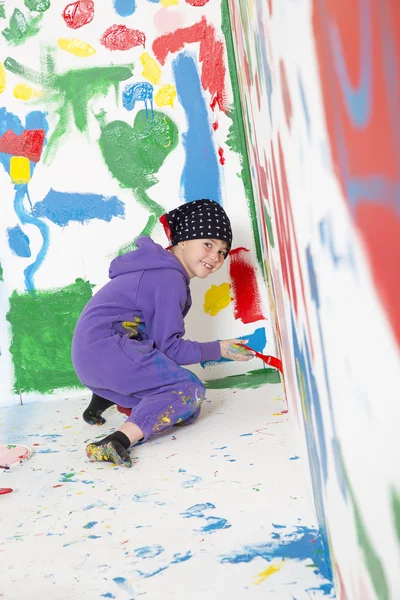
(139, 92)
(257, 341)
(18, 242)
(215, 523)
(61, 207)
(200, 176)
(90, 525)
(189, 483)
(197, 510)
(301, 544)
(149, 551)
(178, 557)
(294, 458)
(124, 8)
(124, 585)
(212, 523)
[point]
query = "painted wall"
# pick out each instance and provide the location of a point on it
(113, 112)
(320, 88)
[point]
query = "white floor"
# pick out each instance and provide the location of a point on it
(216, 510)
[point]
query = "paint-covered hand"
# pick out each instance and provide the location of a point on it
(234, 350)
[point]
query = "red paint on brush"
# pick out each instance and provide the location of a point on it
(29, 144)
(78, 13)
(119, 37)
(246, 297)
(221, 156)
(5, 491)
(211, 56)
(269, 360)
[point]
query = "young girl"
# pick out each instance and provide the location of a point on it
(128, 344)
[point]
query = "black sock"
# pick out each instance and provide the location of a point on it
(113, 448)
(97, 406)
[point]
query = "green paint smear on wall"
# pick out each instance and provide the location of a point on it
(237, 138)
(2, 11)
(42, 325)
(21, 29)
(396, 512)
(70, 92)
(371, 558)
(252, 379)
(134, 155)
(1, 273)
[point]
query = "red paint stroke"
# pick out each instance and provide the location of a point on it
(5, 491)
(120, 37)
(246, 296)
(124, 542)
(269, 360)
(270, 7)
(221, 156)
(211, 56)
(35, 444)
(215, 473)
(215, 125)
(287, 103)
(58, 485)
(370, 151)
(29, 144)
(78, 13)
(197, 2)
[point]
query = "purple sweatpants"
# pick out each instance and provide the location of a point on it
(135, 375)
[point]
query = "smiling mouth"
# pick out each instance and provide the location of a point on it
(207, 266)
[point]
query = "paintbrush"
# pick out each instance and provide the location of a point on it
(269, 360)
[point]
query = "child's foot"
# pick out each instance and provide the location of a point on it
(97, 406)
(113, 448)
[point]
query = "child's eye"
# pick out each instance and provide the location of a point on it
(222, 253)
(207, 244)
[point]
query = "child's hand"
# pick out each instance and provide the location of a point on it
(233, 350)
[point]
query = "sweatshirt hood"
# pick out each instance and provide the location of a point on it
(148, 255)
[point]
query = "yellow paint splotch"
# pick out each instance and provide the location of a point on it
(25, 92)
(20, 169)
(151, 69)
(166, 95)
(2, 78)
(267, 573)
(76, 47)
(169, 2)
(217, 298)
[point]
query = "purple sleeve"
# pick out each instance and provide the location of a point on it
(162, 296)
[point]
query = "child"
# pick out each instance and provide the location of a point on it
(128, 347)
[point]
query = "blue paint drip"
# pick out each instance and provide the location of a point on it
(18, 242)
(215, 523)
(301, 544)
(245, 434)
(136, 92)
(257, 341)
(61, 208)
(124, 8)
(278, 526)
(200, 176)
(90, 525)
(294, 458)
(149, 551)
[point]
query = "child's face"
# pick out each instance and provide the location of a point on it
(201, 257)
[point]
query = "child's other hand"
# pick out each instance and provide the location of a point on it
(233, 350)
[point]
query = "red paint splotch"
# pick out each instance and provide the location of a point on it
(221, 156)
(211, 56)
(79, 13)
(29, 144)
(287, 102)
(197, 2)
(120, 37)
(246, 295)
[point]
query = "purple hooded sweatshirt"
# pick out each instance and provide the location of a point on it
(145, 301)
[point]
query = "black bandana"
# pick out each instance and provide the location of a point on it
(200, 219)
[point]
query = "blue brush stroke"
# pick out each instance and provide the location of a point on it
(147, 575)
(61, 207)
(215, 523)
(107, 595)
(149, 551)
(278, 526)
(301, 544)
(124, 8)
(18, 242)
(197, 510)
(294, 458)
(90, 525)
(200, 176)
(135, 92)
(304, 104)
(257, 341)
(178, 558)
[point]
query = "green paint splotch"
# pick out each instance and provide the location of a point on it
(37, 5)
(396, 512)
(2, 11)
(134, 155)
(42, 326)
(252, 379)
(237, 138)
(70, 93)
(1, 273)
(20, 28)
